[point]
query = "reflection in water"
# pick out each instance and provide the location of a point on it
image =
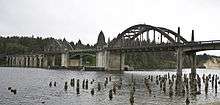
(37, 86)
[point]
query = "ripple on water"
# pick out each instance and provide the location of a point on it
(32, 86)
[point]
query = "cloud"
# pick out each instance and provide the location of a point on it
(84, 19)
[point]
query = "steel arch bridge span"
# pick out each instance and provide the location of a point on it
(134, 31)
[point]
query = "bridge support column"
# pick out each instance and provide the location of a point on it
(22, 61)
(13, 61)
(179, 62)
(113, 60)
(40, 60)
(35, 61)
(102, 59)
(193, 65)
(27, 61)
(193, 81)
(53, 60)
(193, 59)
(31, 61)
(9, 61)
(179, 86)
(65, 59)
(45, 61)
(16, 61)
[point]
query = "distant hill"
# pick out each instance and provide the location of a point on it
(210, 62)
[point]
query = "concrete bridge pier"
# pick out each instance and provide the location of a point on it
(13, 61)
(27, 61)
(16, 61)
(193, 81)
(179, 66)
(45, 61)
(193, 59)
(179, 62)
(179, 56)
(31, 61)
(115, 61)
(19, 61)
(110, 60)
(53, 60)
(101, 59)
(193, 64)
(22, 61)
(40, 61)
(35, 61)
(179, 71)
(8, 59)
(65, 60)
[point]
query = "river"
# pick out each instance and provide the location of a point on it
(33, 88)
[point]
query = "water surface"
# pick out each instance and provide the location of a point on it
(33, 89)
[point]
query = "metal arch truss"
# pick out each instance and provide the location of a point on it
(136, 30)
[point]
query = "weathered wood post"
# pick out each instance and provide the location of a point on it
(110, 94)
(77, 87)
(87, 84)
(65, 86)
(99, 86)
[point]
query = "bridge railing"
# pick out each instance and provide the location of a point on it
(204, 42)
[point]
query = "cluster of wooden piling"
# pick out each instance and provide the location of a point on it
(54, 84)
(85, 85)
(186, 85)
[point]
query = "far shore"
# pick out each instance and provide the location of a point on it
(212, 103)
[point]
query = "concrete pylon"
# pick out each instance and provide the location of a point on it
(13, 61)
(27, 61)
(65, 59)
(110, 60)
(45, 61)
(35, 61)
(40, 61)
(179, 61)
(30, 61)
(22, 61)
(102, 59)
(179, 65)
(7, 61)
(179, 55)
(193, 59)
(53, 60)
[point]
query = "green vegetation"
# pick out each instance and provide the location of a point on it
(150, 60)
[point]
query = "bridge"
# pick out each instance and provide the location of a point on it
(111, 55)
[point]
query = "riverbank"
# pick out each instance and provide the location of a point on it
(212, 103)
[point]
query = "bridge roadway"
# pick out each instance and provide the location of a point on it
(185, 47)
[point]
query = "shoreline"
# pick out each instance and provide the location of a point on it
(212, 103)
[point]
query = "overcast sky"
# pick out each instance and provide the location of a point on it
(84, 19)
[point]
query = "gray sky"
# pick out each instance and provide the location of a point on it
(84, 19)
